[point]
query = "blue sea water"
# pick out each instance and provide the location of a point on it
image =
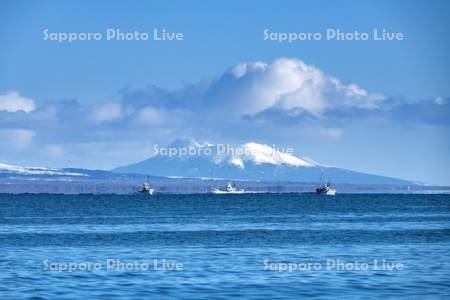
(251, 246)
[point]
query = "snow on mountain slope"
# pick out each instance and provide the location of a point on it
(5, 168)
(259, 154)
(239, 156)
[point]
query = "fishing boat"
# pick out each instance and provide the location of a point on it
(325, 188)
(230, 189)
(146, 189)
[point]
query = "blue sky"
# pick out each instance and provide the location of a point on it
(100, 104)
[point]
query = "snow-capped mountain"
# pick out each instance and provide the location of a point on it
(186, 158)
(249, 161)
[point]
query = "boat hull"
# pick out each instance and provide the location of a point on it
(226, 192)
(328, 192)
(149, 192)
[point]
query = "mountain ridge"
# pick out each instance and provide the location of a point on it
(249, 161)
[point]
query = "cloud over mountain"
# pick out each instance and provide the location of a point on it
(285, 101)
(286, 84)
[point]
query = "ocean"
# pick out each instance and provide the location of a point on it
(250, 246)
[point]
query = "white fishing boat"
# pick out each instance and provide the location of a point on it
(146, 189)
(326, 189)
(230, 189)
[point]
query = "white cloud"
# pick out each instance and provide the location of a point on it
(13, 102)
(285, 84)
(241, 69)
(150, 116)
(105, 112)
(16, 139)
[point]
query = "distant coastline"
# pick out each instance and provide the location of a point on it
(164, 185)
